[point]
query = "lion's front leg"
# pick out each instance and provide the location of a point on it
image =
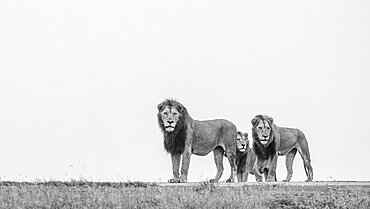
(258, 176)
(175, 168)
(239, 173)
(185, 165)
(271, 176)
(258, 169)
(245, 175)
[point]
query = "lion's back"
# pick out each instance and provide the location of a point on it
(216, 127)
(290, 137)
(288, 133)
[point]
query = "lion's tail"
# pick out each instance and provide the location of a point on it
(305, 153)
(303, 143)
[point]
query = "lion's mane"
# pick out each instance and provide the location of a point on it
(174, 142)
(265, 152)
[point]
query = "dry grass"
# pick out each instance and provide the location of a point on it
(82, 194)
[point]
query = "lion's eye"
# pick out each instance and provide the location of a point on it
(260, 127)
(268, 128)
(165, 114)
(174, 114)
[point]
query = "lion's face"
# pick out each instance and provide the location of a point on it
(170, 116)
(262, 130)
(242, 142)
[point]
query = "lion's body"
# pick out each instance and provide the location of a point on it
(269, 141)
(208, 135)
(188, 136)
(245, 159)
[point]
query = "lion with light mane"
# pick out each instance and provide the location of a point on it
(270, 140)
(184, 136)
(245, 159)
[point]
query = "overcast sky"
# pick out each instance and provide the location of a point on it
(80, 82)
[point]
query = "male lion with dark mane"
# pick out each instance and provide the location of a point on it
(269, 141)
(245, 159)
(184, 136)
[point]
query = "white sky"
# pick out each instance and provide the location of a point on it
(80, 82)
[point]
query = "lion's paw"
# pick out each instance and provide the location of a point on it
(183, 180)
(270, 179)
(213, 181)
(174, 180)
(229, 181)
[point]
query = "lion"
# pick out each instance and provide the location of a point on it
(269, 141)
(245, 158)
(184, 136)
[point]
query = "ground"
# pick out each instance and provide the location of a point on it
(83, 194)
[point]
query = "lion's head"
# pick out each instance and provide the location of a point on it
(262, 129)
(242, 142)
(170, 115)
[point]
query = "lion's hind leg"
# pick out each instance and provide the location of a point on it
(232, 160)
(218, 154)
(289, 164)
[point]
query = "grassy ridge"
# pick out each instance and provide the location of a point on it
(81, 194)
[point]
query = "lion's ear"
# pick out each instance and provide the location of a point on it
(270, 119)
(254, 121)
(245, 135)
(160, 106)
(182, 109)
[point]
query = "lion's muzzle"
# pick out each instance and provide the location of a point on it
(169, 128)
(242, 149)
(264, 141)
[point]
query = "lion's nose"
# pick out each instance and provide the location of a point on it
(264, 136)
(170, 122)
